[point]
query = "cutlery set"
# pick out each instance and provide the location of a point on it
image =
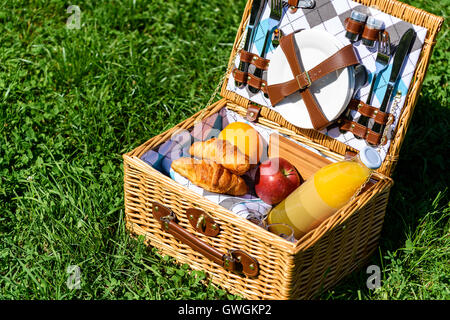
(359, 26)
(401, 54)
(360, 128)
(254, 80)
(255, 16)
(276, 11)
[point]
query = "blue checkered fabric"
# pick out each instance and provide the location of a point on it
(178, 145)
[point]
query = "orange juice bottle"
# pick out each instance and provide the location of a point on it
(324, 193)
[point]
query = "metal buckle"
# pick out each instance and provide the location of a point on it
(228, 258)
(298, 81)
(166, 219)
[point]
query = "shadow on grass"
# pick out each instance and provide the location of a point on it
(421, 174)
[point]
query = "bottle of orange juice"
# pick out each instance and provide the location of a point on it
(324, 193)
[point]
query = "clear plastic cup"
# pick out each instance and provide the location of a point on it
(282, 230)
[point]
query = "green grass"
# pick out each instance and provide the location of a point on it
(73, 101)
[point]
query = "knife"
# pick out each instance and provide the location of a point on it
(258, 72)
(402, 51)
(255, 16)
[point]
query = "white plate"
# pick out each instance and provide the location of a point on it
(333, 92)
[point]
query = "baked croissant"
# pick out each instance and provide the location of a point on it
(210, 176)
(222, 152)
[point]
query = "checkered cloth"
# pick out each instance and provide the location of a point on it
(248, 206)
(329, 15)
(178, 146)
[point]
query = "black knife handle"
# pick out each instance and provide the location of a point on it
(363, 120)
(378, 128)
(243, 66)
(372, 88)
(258, 72)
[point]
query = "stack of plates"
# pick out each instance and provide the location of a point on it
(333, 92)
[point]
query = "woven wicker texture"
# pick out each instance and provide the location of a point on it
(278, 259)
(288, 270)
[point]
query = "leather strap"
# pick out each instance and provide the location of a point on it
(250, 79)
(369, 111)
(256, 82)
(235, 260)
(254, 59)
(349, 154)
(245, 56)
(252, 112)
(375, 138)
(370, 34)
(302, 80)
(246, 77)
(361, 131)
(357, 129)
(354, 26)
(293, 6)
(239, 75)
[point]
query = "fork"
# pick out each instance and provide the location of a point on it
(381, 63)
(276, 12)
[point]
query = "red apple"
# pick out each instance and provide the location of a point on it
(275, 179)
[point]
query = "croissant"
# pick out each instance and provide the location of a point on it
(210, 176)
(222, 152)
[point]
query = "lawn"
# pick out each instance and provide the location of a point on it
(72, 101)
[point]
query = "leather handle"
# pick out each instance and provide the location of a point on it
(235, 260)
(369, 111)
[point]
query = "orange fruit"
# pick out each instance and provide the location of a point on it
(245, 138)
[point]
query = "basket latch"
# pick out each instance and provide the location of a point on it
(234, 260)
(202, 222)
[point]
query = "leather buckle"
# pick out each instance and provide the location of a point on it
(307, 77)
(168, 218)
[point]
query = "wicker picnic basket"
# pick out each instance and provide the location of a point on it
(285, 270)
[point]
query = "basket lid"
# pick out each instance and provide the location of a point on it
(401, 20)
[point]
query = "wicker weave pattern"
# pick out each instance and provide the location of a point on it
(279, 260)
(322, 257)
